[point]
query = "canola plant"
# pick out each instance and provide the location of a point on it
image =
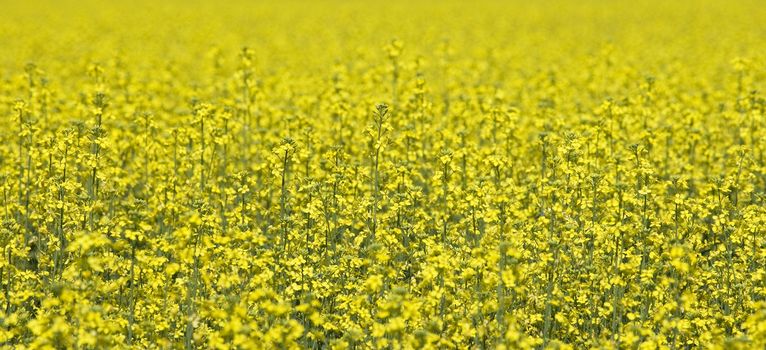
(382, 175)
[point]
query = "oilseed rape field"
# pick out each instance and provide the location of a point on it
(383, 175)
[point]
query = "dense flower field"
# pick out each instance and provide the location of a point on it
(479, 174)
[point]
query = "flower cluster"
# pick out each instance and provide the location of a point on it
(506, 175)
